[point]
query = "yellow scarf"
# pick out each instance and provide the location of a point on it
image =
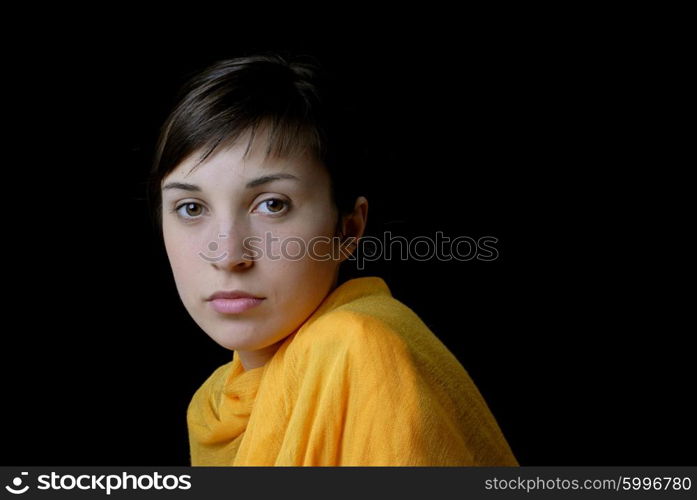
(362, 382)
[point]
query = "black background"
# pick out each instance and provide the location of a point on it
(553, 143)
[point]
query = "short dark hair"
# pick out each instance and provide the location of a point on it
(293, 94)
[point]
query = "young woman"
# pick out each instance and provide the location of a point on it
(252, 185)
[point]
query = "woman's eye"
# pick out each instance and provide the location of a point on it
(189, 210)
(274, 206)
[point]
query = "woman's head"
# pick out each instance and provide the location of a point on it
(250, 186)
(234, 97)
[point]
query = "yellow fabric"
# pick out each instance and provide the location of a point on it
(362, 382)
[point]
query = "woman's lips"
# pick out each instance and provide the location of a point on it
(235, 306)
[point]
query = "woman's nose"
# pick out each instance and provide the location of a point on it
(226, 251)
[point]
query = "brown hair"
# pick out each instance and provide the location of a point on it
(294, 96)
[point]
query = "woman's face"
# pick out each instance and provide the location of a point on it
(248, 225)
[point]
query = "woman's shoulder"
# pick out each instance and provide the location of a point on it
(351, 325)
(376, 330)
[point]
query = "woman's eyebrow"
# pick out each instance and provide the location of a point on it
(253, 183)
(269, 178)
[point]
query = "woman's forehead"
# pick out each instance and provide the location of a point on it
(230, 167)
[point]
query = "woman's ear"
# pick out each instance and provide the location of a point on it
(353, 224)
